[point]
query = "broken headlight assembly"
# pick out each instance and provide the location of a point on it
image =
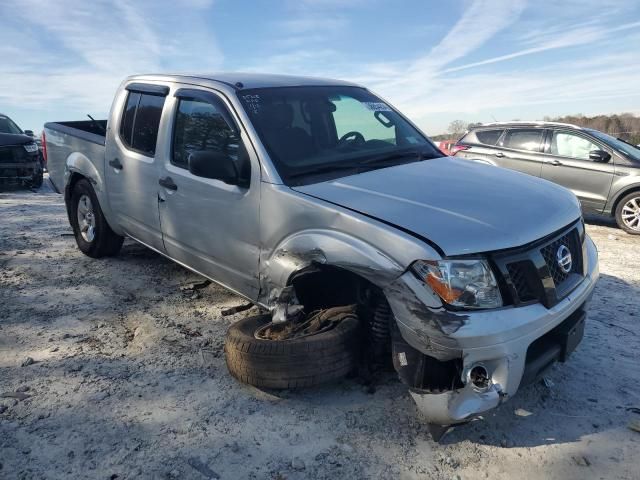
(460, 283)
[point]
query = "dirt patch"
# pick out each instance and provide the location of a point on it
(128, 380)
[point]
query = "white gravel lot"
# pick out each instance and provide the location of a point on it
(128, 381)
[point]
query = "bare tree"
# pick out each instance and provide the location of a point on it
(624, 125)
(457, 128)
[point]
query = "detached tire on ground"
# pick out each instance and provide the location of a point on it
(292, 363)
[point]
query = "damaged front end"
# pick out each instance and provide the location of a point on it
(445, 393)
(459, 364)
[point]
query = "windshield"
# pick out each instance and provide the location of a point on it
(7, 126)
(623, 147)
(333, 131)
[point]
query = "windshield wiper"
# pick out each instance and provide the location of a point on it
(369, 163)
(395, 156)
(332, 167)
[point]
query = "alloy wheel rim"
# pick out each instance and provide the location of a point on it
(86, 218)
(631, 214)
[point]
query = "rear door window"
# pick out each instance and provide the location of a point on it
(129, 113)
(145, 128)
(524, 139)
(140, 122)
(488, 137)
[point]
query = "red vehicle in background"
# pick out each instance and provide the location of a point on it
(446, 146)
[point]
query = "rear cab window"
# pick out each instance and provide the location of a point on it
(141, 119)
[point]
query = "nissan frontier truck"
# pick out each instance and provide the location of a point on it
(294, 191)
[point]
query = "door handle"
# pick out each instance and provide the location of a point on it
(115, 163)
(167, 182)
(555, 162)
(499, 154)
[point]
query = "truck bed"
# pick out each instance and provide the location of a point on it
(72, 142)
(85, 129)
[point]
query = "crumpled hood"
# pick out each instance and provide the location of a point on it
(462, 206)
(14, 139)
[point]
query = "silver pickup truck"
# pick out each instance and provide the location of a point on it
(263, 182)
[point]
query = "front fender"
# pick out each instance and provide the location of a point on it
(325, 247)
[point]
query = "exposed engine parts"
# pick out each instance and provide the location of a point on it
(314, 323)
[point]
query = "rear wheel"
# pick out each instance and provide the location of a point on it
(628, 213)
(93, 234)
(291, 363)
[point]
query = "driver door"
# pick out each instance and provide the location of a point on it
(207, 224)
(567, 163)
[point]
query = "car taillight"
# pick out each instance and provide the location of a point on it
(43, 139)
(458, 148)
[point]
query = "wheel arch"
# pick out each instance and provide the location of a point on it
(621, 195)
(321, 251)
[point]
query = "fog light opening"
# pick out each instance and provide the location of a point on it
(479, 377)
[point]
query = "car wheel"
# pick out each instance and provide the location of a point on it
(291, 363)
(628, 213)
(93, 234)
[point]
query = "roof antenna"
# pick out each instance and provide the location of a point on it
(494, 118)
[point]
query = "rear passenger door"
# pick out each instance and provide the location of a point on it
(521, 150)
(131, 169)
(567, 163)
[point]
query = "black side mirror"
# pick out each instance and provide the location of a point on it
(29, 132)
(212, 164)
(599, 156)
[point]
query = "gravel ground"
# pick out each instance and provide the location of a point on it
(109, 370)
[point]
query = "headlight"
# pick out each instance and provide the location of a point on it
(31, 147)
(461, 283)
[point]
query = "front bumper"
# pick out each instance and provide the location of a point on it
(18, 170)
(496, 339)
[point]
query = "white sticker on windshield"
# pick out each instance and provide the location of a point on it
(377, 106)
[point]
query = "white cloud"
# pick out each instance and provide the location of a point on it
(72, 54)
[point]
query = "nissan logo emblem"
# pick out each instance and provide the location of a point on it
(563, 257)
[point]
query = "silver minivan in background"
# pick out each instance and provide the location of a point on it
(475, 278)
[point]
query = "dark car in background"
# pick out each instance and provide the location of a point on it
(20, 157)
(601, 170)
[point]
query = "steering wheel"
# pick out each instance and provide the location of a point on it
(351, 138)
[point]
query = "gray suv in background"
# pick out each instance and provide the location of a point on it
(602, 171)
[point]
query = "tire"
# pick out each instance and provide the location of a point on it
(102, 242)
(627, 206)
(293, 363)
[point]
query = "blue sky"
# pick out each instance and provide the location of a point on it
(475, 60)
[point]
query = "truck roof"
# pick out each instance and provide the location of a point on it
(240, 80)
